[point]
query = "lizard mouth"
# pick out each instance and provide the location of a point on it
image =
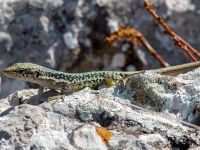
(8, 72)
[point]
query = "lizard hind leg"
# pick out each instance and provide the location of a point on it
(114, 82)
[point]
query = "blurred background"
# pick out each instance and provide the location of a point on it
(69, 35)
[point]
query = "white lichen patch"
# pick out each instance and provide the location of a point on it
(96, 103)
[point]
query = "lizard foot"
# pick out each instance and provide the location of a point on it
(57, 97)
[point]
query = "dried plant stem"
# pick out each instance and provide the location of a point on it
(153, 52)
(177, 39)
(129, 34)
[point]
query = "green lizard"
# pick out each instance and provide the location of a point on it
(70, 82)
(66, 82)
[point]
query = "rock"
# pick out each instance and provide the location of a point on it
(145, 142)
(18, 97)
(113, 24)
(108, 118)
(44, 31)
(178, 95)
(86, 137)
(44, 3)
(180, 6)
(5, 38)
(55, 140)
(131, 68)
(70, 40)
(118, 60)
(149, 112)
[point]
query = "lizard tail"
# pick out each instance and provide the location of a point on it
(179, 69)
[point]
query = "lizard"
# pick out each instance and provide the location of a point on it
(53, 79)
(71, 82)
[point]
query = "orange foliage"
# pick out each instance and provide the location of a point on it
(129, 34)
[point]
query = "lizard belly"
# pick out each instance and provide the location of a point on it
(82, 85)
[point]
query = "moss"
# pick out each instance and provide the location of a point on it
(145, 93)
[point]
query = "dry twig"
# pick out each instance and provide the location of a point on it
(177, 39)
(130, 34)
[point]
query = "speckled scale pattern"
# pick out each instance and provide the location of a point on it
(59, 80)
(81, 80)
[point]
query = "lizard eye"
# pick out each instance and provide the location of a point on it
(21, 71)
(37, 74)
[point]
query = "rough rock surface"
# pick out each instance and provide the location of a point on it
(69, 34)
(108, 118)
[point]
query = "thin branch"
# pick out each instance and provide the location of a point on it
(129, 34)
(177, 39)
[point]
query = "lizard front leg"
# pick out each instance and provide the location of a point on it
(40, 90)
(66, 90)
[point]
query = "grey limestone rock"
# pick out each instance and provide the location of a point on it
(155, 121)
(70, 35)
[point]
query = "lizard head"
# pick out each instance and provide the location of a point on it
(25, 71)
